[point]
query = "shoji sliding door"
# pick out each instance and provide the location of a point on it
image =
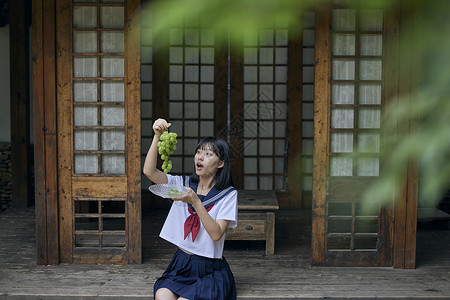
(99, 131)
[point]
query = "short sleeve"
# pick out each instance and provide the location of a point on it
(177, 180)
(228, 210)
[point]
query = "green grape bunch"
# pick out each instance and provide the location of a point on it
(166, 146)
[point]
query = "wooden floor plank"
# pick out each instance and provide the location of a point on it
(285, 275)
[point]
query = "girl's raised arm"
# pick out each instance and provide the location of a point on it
(150, 170)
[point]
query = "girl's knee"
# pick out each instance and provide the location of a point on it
(165, 294)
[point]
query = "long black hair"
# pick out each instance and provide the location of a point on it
(222, 150)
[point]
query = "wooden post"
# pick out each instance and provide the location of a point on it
(44, 97)
(20, 109)
(321, 126)
(237, 111)
(295, 88)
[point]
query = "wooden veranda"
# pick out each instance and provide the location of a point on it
(285, 275)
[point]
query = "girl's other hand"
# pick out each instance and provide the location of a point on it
(190, 197)
(160, 126)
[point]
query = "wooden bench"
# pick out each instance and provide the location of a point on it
(256, 218)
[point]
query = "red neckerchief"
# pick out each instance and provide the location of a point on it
(192, 223)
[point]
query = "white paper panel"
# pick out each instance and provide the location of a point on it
(84, 41)
(343, 70)
(250, 165)
(370, 94)
(206, 128)
(86, 164)
(266, 147)
(207, 55)
(206, 110)
(266, 55)
(371, 44)
(113, 91)
(342, 118)
(207, 37)
(85, 67)
(265, 183)
(250, 182)
(85, 91)
(112, 17)
(113, 163)
(343, 44)
(84, 17)
(112, 66)
(85, 140)
(265, 165)
(368, 142)
(344, 19)
(206, 92)
(85, 116)
(371, 20)
(368, 166)
(191, 129)
(341, 166)
(112, 41)
(113, 116)
(191, 92)
(113, 140)
(191, 55)
(369, 118)
(341, 142)
(191, 110)
(370, 69)
(191, 73)
(266, 74)
(342, 94)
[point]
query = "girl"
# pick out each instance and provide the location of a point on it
(197, 270)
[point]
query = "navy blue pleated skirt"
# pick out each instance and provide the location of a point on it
(195, 277)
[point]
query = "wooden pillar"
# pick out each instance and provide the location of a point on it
(45, 144)
(20, 108)
(406, 207)
(322, 94)
(294, 185)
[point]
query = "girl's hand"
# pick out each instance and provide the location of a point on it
(160, 126)
(190, 197)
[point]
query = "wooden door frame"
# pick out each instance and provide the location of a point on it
(397, 81)
(46, 93)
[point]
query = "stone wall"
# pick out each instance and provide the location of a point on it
(5, 176)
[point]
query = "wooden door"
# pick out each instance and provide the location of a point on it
(98, 116)
(350, 89)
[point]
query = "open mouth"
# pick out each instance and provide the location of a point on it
(199, 166)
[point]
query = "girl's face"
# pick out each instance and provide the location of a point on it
(207, 162)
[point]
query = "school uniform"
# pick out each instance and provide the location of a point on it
(205, 274)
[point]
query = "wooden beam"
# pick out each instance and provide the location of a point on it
(322, 78)
(20, 108)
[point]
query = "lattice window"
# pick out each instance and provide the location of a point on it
(100, 223)
(356, 85)
(191, 89)
(146, 86)
(99, 116)
(355, 125)
(98, 87)
(350, 227)
(265, 108)
(308, 100)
